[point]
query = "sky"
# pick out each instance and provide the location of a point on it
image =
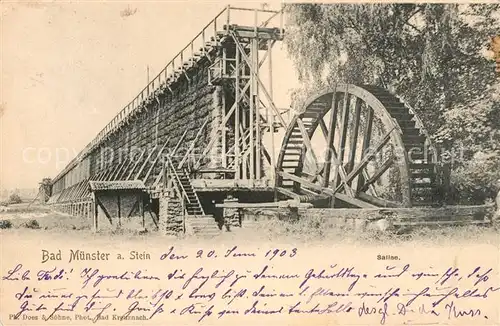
(68, 67)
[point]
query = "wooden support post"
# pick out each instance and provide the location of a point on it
(271, 118)
(256, 100)
(366, 143)
(119, 210)
(252, 120)
(95, 212)
(141, 209)
(237, 122)
(345, 126)
(354, 137)
(99, 203)
(144, 164)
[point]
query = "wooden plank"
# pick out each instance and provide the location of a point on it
(288, 193)
(330, 139)
(354, 137)
(307, 141)
(439, 223)
(366, 141)
(109, 172)
(119, 206)
(178, 143)
(224, 121)
(95, 212)
(129, 214)
(354, 201)
(345, 125)
(99, 203)
(155, 220)
(155, 161)
(193, 143)
(366, 159)
(386, 165)
(120, 174)
(257, 78)
(115, 175)
(135, 165)
(284, 203)
(215, 170)
(144, 164)
(342, 173)
(380, 202)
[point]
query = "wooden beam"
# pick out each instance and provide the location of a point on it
(386, 165)
(366, 140)
(257, 78)
(120, 174)
(154, 162)
(99, 203)
(340, 171)
(110, 171)
(288, 193)
(305, 182)
(193, 143)
(95, 212)
(307, 141)
(354, 201)
(155, 220)
(330, 138)
(119, 206)
(224, 121)
(284, 203)
(144, 164)
(129, 214)
(354, 137)
(345, 126)
(367, 158)
(135, 165)
(179, 142)
(267, 156)
(324, 128)
(380, 202)
(115, 175)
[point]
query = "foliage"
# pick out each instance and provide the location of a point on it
(5, 224)
(46, 188)
(32, 224)
(15, 199)
(432, 55)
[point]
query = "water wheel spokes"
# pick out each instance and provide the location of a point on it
(358, 157)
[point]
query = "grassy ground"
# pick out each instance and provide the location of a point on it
(55, 224)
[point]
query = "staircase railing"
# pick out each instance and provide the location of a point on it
(178, 182)
(180, 186)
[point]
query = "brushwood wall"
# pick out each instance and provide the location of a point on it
(164, 119)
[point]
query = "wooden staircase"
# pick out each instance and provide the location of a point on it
(202, 225)
(196, 221)
(182, 182)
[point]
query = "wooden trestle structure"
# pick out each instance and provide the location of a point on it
(199, 127)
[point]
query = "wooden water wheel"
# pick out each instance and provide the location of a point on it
(357, 146)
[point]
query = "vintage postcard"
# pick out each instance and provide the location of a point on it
(249, 163)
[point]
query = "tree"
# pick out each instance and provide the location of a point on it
(15, 199)
(432, 55)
